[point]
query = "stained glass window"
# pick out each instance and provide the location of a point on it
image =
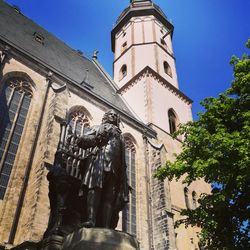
(78, 120)
(15, 98)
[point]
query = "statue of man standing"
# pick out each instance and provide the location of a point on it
(104, 174)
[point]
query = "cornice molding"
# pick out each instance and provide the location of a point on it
(142, 44)
(149, 72)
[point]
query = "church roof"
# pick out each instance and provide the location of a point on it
(37, 43)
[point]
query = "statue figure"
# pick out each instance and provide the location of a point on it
(64, 185)
(87, 181)
(104, 172)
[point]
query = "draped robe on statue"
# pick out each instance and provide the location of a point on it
(106, 164)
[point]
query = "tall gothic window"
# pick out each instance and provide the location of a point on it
(129, 212)
(172, 119)
(78, 119)
(15, 99)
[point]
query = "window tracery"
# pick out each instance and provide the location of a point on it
(78, 121)
(15, 99)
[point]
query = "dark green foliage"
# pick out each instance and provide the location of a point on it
(216, 148)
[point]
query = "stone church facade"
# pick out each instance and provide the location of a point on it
(43, 82)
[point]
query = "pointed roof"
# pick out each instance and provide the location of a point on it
(44, 49)
(140, 8)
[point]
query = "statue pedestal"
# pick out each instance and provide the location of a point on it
(99, 238)
(85, 238)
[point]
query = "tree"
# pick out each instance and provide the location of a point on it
(216, 148)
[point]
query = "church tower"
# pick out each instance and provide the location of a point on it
(38, 94)
(145, 73)
(144, 66)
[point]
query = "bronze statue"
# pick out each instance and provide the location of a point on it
(88, 182)
(104, 175)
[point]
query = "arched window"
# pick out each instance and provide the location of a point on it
(167, 69)
(15, 99)
(194, 199)
(123, 71)
(172, 119)
(129, 212)
(78, 119)
(186, 193)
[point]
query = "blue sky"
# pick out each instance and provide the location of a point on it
(207, 33)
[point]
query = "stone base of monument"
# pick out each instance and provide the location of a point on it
(99, 239)
(85, 238)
